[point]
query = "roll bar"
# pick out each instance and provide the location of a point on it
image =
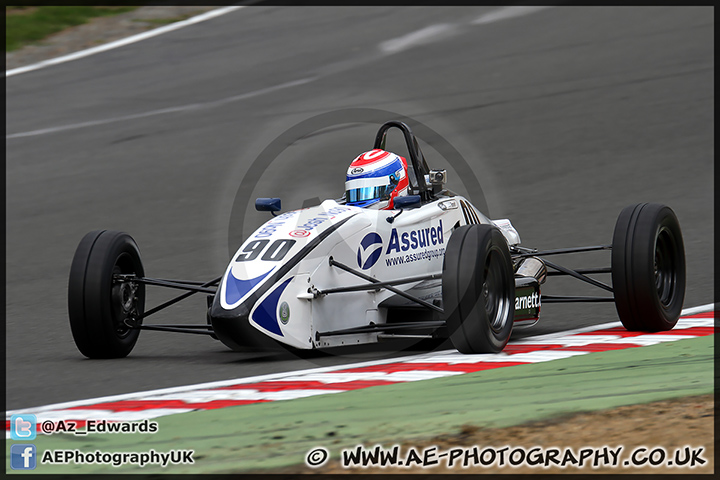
(420, 166)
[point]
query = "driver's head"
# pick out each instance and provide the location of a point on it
(375, 178)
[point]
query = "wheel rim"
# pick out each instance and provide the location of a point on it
(496, 301)
(665, 266)
(124, 297)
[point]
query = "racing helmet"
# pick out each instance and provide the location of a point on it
(375, 178)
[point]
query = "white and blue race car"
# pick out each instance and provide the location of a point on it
(424, 264)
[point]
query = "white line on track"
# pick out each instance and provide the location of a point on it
(282, 375)
(505, 13)
(179, 108)
(433, 33)
(123, 41)
(709, 307)
(423, 36)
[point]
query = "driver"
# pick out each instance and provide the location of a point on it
(375, 178)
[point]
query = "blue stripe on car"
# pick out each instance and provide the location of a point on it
(235, 289)
(266, 313)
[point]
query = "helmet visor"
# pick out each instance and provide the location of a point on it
(369, 193)
(364, 189)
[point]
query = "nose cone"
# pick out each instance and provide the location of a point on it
(233, 328)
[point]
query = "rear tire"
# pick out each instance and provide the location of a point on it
(648, 267)
(478, 289)
(98, 306)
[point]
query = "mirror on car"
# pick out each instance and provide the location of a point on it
(407, 201)
(267, 204)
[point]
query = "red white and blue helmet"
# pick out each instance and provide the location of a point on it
(376, 178)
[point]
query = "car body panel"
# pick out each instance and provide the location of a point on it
(269, 282)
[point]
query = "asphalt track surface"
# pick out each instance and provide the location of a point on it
(565, 115)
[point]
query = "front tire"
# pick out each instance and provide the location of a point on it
(478, 289)
(99, 306)
(648, 267)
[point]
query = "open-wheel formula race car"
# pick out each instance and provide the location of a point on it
(338, 274)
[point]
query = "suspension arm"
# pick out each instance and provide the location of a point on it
(372, 280)
(193, 287)
(571, 299)
(579, 276)
(379, 285)
(533, 252)
(181, 297)
(196, 329)
(583, 271)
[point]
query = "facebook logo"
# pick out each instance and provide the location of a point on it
(22, 427)
(22, 456)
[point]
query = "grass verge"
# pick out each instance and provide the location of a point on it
(165, 21)
(26, 25)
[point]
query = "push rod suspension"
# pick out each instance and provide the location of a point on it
(583, 271)
(372, 280)
(530, 252)
(579, 276)
(378, 285)
(179, 298)
(184, 282)
(199, 288)
(176, 328)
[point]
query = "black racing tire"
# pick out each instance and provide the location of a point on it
(478, 289)
(99, 306)
(648, 267)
